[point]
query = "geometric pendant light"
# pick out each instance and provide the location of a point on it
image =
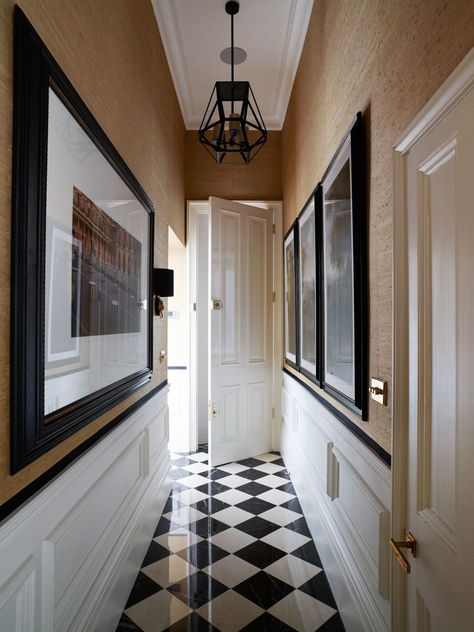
(232, 124)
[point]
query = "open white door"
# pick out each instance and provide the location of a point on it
(240, 331)
(436, 173)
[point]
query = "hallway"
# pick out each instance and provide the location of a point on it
(231, 552)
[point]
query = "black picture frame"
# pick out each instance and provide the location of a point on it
(354, 137)
(293, 275)
(35, 72)
(359, 403)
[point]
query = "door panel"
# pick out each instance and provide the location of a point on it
(440, 190)
(240, 331)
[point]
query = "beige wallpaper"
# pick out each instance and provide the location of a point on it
(385, 58)
(259, 180)
(112, 53)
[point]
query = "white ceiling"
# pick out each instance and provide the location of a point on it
(272, 32)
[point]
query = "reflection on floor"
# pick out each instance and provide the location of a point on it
(231, 552)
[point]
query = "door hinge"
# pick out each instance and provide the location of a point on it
(273, 296)
(195, 307)
(273, 413)
(274, 229)
(216, 304)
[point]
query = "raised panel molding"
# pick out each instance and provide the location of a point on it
(345, 492)
(83, 537)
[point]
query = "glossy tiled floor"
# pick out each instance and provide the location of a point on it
(231, 552)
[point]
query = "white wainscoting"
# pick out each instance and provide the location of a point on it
(69, 557)
(345, 492)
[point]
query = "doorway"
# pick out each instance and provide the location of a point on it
(235, 327)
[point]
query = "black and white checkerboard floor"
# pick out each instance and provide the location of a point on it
(231, 552)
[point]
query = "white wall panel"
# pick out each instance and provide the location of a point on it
(69, 557)
(345, 493)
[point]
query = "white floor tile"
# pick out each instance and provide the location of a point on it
(185, 515)
(233, 496)
(280, 515)
(158, 612)
(230, 611)
(293, 570)
(194, 480)
(269, 468)
(178, 540)
(233, 468)
(190, 496)
(302, 612)
(196, 468)
(232, 516)
(169, 570)
(268, 456)
(233, 480)
(285, 539)
(272, 481)
(232, 540)
(231, 570)
(199, 456)
(275, 496)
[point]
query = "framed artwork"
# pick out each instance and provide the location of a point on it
(308, 292)
(344, 281)
(325, 255)
(82, 260)
(290, 283)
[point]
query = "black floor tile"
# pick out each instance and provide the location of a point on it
(210, 505)
(197, 589)
(216, 474)
(177, 487)
(205, 527)
(267, 623)
(127, 625)
(182, 461)
(252, 475)
(255, 505)
(318, 587)
(171, 505)
(279, 462)
(308, 553)
(283, 474)
(212, 488)
(334, 624)
(300, 526)
(164, 526)
(177, 474)
(192, 623)
(293, 504)
(257, 527)
(288, 488)
(251, 462)
(263, 589)
(260, 554)
(203, 554)
(155, 553)
(253, 488)
(142, 588)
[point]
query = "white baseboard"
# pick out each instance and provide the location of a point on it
(69, 557)
(344, 490)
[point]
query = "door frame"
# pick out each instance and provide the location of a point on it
(456, 86)
(195, 207)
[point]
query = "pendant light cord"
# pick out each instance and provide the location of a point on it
(232, 57)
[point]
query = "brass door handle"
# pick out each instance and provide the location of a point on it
(396, 548)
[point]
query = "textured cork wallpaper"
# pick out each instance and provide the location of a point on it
(111, 51)
(385, 58)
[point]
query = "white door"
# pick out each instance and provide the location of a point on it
(439, 176)
(240, 331)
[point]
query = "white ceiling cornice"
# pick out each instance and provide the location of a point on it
(271, 31)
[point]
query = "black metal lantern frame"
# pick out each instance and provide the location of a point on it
(232, 123)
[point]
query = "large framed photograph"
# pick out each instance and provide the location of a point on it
(308, 292)
(82, 260)
(344, 278)
(290, 288)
